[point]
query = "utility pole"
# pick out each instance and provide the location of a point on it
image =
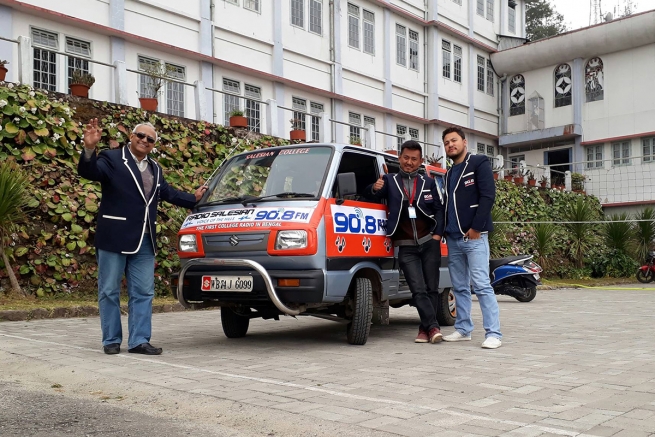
(594, 12)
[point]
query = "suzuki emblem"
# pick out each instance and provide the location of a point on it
(234, 240)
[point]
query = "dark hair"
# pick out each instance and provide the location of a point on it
(452, 129)
(411, 145)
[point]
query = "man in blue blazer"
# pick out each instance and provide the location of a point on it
(415, 225)
(470, 194)
(125, 240)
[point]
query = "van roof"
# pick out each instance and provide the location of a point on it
(336, 146)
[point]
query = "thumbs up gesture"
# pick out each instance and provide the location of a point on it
(379, 184)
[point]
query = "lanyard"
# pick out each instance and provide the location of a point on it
(411, 198)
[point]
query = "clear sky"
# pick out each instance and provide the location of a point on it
(576, 12)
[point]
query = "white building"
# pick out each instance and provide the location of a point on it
(410, 68)
(584, 101)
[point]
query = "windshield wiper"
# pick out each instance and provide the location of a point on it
(226, 199)
(280, 195)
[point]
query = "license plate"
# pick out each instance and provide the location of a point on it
(536, 276)
(227, 283)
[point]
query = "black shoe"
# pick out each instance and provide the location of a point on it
(112, 349)
(146, 349)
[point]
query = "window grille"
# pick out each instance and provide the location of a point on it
(230, 102)
(594, 80)
(401, 45)
(253, 5)
(298, 13)
(316, 108)
(146, 83)
(253, 108)
(621, 153)
(369, 120)
(595, 156)
(79, 48)
(369, 32)
(563, 85)
(445, 50)
(400, 132)
(457, 64)
(175, 90)
(490, 78)
(413, 50)
(300, 113)
(480, 73)
(45, 61)
(648, 147)
(517, 95)
(353, 26)
(316, 16)
(356, 119)
(413, 132)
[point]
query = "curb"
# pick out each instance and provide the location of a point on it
(69, 312)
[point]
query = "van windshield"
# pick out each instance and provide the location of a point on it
(267, 173)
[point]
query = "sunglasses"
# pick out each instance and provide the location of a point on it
(141, 136)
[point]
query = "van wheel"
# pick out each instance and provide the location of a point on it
(360, 310)
(234, 325)
(446, 310)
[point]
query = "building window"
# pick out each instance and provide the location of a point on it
(445, 50)
(490, 10)
(511, 22)
(621, 153)
(480, 73)
(515, 161)
(480, 7)
(316, 108)
(369, 32)
(413, 50)
(81, 49)
(231, 100)
(356, 120)
(253, 5)
(459, 2)
(234, 2)
(401, 131)
(353, 26)
(595, 156)
(563, 85)
(490, 78)
(648, 147)
(487, 150)
(316, 16)
(594, 80)
(146, 82)
(45, 61)
(401, 45)
(517, 95)
(175, 90)
(458, 64)
(253, 107)
(413, 133)
(299, 107)
(298, 13)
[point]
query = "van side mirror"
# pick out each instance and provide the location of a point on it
(347, 184)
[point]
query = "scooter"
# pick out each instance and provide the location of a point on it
(646, 273)
(515, 276)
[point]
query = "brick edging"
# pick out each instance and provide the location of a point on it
(76, 311)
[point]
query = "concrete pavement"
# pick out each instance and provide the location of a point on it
(573, 363)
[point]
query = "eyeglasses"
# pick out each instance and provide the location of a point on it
(141, 136)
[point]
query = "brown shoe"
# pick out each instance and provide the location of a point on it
(435, 335)
(422, 336)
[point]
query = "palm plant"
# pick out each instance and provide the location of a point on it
(580, 231)
(13, 201)
(645, 231)
(498, 237)
(544, 235)
(618, 233)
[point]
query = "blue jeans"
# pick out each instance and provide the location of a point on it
(139, 270)
(468, 264)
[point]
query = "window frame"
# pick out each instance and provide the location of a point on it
(446, 54)
(481, 74)
(400, 131)
(52, 73)
(479, 8)
(316, 108)
(593, 161)
(257, 8)
(511, 20)
(302, 13)
(401, 45)
(564, 99)
(648, 157)
(252, 106)
(353, 26)
(517, 108)
(621, 147)
(416, 65)
(228, 95)
(143, 78)
(490, 10)
(491, 79)
(370, 23)
(84, 66)
(356, 119)
(312, 12)
(299, 106)
(457, 63)
(175, 87)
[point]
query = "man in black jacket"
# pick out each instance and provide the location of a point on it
(416, 225)
(125, 238)
(470, 195)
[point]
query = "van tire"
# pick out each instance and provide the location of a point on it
(361, 309)
(446, 308)
(234, 325)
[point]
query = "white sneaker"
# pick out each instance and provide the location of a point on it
(456, 336)
(491, 343)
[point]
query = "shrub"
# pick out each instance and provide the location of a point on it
(644, 232)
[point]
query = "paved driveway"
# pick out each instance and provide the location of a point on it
(573, 362)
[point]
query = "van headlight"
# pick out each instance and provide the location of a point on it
(291, 240)
(187, 243)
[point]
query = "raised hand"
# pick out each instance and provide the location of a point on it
(379, 184)
(92, 134)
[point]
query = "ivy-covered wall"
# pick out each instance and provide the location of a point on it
(53, 252)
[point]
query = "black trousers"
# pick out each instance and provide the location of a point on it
(421, 264)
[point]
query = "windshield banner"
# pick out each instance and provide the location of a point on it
(355, 220)
(235, 218)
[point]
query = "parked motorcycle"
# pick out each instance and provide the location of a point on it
(515, 276)
(646, 273)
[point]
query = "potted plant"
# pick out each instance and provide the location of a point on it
(577, 182)
(237, 119)
(355, 140)
(532, 181)
(496, 171)
(156, 76)
(508, 175)
(81, 81)
(543, 181)
(3, 70)
(434, 161)
(392, 151)
(518, 177)
(297, 133)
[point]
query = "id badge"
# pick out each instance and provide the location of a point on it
(412, 212)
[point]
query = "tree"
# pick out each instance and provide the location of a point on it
(542, 20)
(13, 201)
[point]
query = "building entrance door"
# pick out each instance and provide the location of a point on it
(559, 161)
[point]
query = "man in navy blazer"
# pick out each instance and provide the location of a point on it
(415, 225)
(125, 240)
(470, 194)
